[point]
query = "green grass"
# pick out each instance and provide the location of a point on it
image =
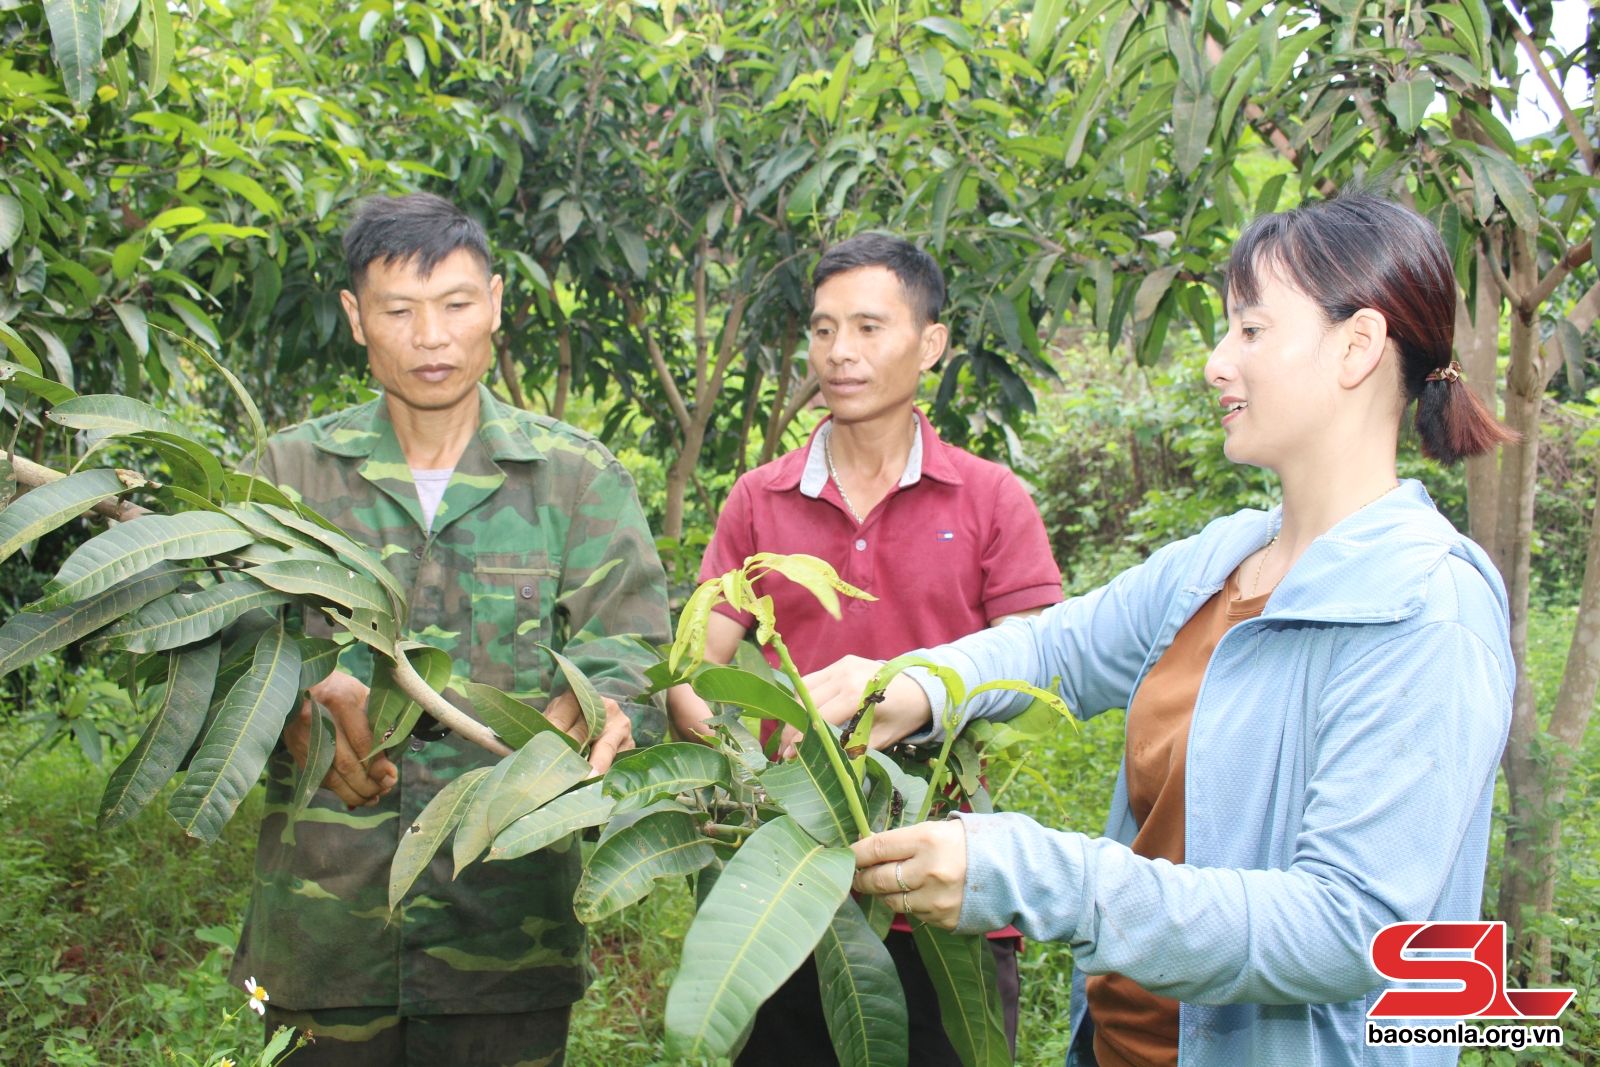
(114, 947)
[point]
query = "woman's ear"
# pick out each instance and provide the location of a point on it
(1366, 339)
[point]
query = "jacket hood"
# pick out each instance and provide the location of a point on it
(1372, 566)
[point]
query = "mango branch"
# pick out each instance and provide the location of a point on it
(449, 716)
(835, 758)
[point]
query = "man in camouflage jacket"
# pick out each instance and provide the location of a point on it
(481, 968)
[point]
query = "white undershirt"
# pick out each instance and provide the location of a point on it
(430, 490)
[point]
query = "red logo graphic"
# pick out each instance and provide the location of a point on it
(1433, 952)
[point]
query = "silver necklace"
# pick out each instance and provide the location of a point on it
(1260, 563)
(827, 454)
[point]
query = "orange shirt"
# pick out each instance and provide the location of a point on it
(1133, 1027)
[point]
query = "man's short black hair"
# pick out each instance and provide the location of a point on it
(918, 272)
(420, 228)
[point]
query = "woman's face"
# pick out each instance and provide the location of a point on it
(1276, 383)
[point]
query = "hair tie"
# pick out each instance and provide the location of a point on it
(1451, 373)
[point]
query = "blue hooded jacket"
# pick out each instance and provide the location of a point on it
(1340, 773)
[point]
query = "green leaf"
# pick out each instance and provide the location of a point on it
(1194, 115)
(433, 824)
(1407, 99)
(184, 618)
(125, 258)
(156, 41)
(135, 324)
(329, 581)
(1151, 290)
(76, 37)
(245, 186)
(240, 738)
(634, 250)
(132, 547)
(577, 810)
(343, 547)
(535, 774)
(927, 70)
(689, 644)
(961, 967)
(38, 511)
(759, 922)
(569, 216)
(624, 867)
(729, 685)
(191, 675)
(20, 350)
(949, 29)
(28, 635)
(862, 998)
(393, 713)
(811, 793)
(1042, 27)
(10, 221)
(195, 318)
(116, 414)
(1512, 186)
(645, 775)
(175, 217)
(46, 389)
(319, 657)
(515, 722)
(590, 702)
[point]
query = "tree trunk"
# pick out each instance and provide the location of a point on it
(1477, 348)
(508, 371)
(1527, 817)
(558, 409)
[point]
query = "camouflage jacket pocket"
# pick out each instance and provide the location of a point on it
(513, 595)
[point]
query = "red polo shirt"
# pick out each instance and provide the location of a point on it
(957, 543)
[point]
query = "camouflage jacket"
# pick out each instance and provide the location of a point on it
(533, 509)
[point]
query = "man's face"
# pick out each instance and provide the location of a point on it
(429, 340)
(869, 346)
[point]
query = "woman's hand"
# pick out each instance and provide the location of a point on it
(920, 870)
(837, 689)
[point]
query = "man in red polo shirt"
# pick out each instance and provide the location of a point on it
(947, 542)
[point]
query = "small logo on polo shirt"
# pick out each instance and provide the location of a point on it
(944, 535)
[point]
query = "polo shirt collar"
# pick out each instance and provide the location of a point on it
(926, 458)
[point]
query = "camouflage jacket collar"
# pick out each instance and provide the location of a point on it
(366, 434)
(366, 429)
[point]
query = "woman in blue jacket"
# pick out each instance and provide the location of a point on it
(1317, 695)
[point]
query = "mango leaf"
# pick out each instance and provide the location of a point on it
(433, 824)
(646, 775)
(184, 618)
(817, 575)
(1407, 99)
(689, 643)
(328, 581)
(927, 71)
(767, 699)
(955, 688)
(811, 793)
(577, 810)
(590, 701)
(10, 221)
(38, 511)
(319, 757)
(239, 740)
(116, 414)
(961, 967)
(624, 867)
(132, 547)
(319, 657)
(515, 722)
(862, 999)
(27, 635)
(536, 773)
(1513, 187)
(193, 466)
(766, 912)
(47, 389)
(342, 546)
(76, 36)
(155, 38)
(191, 675)
(392, 713)
(175, 217)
